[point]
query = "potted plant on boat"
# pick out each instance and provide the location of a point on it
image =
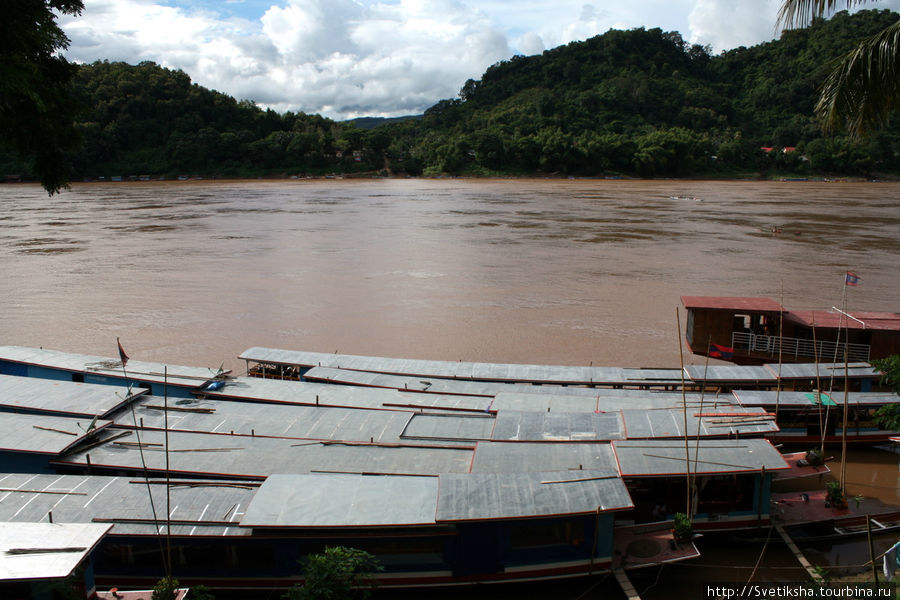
(683, 529)
(835, 495)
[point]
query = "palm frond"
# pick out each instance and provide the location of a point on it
(864, 88)
(800, 13)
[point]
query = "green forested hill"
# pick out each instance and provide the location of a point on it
(644, 102)
(639, 102)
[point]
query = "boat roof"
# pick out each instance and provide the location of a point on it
(808, 399)
(557, 426)
(436, 384)
(483, 496)
(811, 371)
(705, 421)
(201, 508)
(62, 398)
(330, 500)
(878, 321)
(44, 434)
(453, 427)
(736, 303)
(310, 393)
(656, 458)
(225, 456)
(332, 367)
(38, 551)
(109, 367)
(508, 457)
(272, 420)
(342, 500)
(746, 374)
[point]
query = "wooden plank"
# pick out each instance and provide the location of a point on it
(625, 584)
(797, 554)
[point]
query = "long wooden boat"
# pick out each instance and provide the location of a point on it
(845, 527)
(439, 497)
(179, 381)
(749, 330)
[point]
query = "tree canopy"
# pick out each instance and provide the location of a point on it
(641, 102)
(863, 89)
(37, 113)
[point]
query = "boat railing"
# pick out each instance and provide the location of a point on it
(793, 348)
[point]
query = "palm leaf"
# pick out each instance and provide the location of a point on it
(864, 88)
(800, 13)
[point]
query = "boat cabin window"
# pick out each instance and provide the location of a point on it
(78, 377)
(750, 323)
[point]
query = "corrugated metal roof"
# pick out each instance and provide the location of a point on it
(731, 303)
(302, 392)
(197, 508)
(431, 385)
(748, 374)
(338, 500)
(441, 369)
(822, 370)
(523, 457)
(63, 398)
(449, 427)
(286, 421)
(605, 400)
(518, 401)
(43, 434)
(108, 367)
(437, 385)
(31, 551)
(711, 422)
(557, 426)
(480, 496)
(254, 457)
(649, 458)
(806, 399)
(873, 321)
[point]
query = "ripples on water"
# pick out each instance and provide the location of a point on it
(555, 271)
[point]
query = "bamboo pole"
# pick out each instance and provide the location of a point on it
(871, 548)
(168, 487)
(687, 451)
(844, 432)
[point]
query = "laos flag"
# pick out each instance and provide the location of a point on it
(852, 279)
(719, 351)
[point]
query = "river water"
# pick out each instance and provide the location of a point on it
(536, 271)
(540, 271)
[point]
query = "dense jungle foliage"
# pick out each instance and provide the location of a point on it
(639, 102)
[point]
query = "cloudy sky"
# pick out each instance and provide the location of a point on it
(348, 58)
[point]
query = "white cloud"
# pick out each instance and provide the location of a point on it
(725, 24)
(345, 58)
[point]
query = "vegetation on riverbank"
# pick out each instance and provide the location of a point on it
(638, 103)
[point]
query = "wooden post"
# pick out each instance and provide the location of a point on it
(871, 549)
(762, 484)
(687, 451)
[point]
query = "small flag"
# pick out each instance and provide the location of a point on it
(852, 279)
(122, 355)
(723, 352)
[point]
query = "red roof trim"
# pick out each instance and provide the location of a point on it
(740, 303)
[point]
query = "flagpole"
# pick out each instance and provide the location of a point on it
(137, 431)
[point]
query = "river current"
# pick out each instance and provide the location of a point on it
(536, 271)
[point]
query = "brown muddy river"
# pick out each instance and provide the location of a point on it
(535, 271)
(541, 271)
